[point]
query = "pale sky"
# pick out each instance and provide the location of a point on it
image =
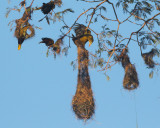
(36, 91)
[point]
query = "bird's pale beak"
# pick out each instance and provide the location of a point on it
(90, 43)
(19, 46)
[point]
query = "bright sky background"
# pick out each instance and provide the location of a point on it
(36, 91)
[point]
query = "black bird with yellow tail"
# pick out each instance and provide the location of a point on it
(83, 34)
(24, 30)
(21, 32)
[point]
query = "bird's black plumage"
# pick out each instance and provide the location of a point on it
(47, 7)
(47, 41)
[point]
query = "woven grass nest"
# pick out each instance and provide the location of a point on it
(83, 103)
(130, 81)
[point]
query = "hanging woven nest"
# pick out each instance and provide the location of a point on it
(130, 80)
(83, 103)
(148, 58)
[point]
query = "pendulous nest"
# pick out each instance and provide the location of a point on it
(130, 81)
(83, 103)
(148, 58)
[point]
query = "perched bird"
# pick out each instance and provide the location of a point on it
(83, 34)
(47, 7)
(21, 38)
(21, 33)
(50, 44)
(48, 41)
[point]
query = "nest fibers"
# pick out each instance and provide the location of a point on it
(130, 80)
(83, 102)
(125, 60)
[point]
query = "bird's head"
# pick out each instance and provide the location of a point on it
(90, 37)
(20, 41)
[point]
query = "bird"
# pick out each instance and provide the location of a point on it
(83, 34)
(21, 32)
(48, 41)
(50, 44)
(47, 7)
